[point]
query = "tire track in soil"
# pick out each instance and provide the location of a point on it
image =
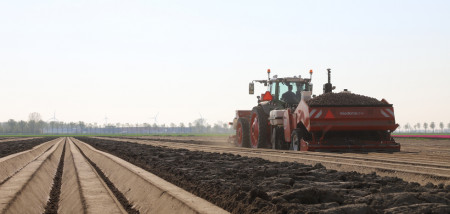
(119, 196)
(53, 202)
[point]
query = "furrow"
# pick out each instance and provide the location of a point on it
(28, 190)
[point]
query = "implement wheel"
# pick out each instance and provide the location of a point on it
(242, 133)
(259, 128)
(296, 136)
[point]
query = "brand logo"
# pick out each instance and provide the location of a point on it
(351, 113)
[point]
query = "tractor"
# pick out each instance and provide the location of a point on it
(253, 128)
(288, 116)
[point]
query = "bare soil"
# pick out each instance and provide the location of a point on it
(11, 147)
(203, 140)
(425, 147)
(253, 185)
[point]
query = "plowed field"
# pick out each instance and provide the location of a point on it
(248, 185)
(163, 174)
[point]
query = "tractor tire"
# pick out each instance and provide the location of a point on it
(277, 138)
(296, 137)
(259, 129)
(242, 133)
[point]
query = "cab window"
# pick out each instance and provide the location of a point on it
(284, 88)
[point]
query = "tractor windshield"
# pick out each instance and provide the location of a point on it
(292, 97)
(279, 87)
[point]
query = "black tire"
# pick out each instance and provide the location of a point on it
(277, 138)
(262, 138)
(296, 136)
(245, 133)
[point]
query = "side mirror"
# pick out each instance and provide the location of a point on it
(251, 88)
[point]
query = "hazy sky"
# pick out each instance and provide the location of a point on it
(130, 60)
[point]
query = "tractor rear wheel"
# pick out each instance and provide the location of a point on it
(295, 139)
(242, 133)
(259, 128)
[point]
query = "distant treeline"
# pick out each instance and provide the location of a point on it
(36, 126)
(425, 127)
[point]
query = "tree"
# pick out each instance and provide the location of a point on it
(53, 124)
(432, 126)
(11, 124)
(425, 126)
(407, 126)
(40, 126)
(441, 125)
(60, 126)
(72, 125)
(448, 126)
(199, 125)
(32, 125)
(155, 128)
(226, 127)
(34, 116)
(82, 125)
(182, 126)
(22, 125)
(418, 126)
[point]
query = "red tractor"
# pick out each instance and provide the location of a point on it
(289, 117)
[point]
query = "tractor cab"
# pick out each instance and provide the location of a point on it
(289, 90)
(283, 92)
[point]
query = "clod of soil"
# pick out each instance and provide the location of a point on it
(12, 147)
(344, 99)
(253, 185)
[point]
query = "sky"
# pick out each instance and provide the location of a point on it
(181, 60)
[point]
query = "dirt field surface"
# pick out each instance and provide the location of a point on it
(12, 146)
(413, 163)
(6, 139)
(430, 148)
(253, 185)
(65, 175)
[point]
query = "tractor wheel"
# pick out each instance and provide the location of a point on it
(277, 138)
(242, 133)
(259, 129)
(295, 140)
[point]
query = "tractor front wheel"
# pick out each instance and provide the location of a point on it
(277, 138)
